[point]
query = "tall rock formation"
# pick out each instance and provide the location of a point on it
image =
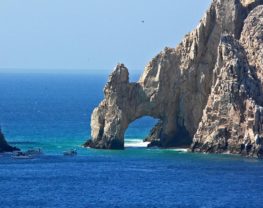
(207, 91)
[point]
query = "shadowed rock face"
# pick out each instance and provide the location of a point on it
(181, 85)
(4, 146)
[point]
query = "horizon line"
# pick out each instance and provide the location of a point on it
(59, 70)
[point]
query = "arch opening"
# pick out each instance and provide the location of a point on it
(138, 130)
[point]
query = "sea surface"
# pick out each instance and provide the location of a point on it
(52, 112)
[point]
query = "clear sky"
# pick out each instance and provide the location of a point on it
(88, 35)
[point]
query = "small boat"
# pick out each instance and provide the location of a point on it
(71, 152)
(21, 155)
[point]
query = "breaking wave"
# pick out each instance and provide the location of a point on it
(135, 143)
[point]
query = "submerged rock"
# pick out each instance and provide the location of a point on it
(206, 92)
(4, 146)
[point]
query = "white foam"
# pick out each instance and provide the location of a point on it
(135, 143)
(179, 150)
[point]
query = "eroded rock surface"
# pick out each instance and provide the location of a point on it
(233, 118)
(252, 38)
(206, 88)
(229, 120)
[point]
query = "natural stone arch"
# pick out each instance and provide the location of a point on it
(126, 102)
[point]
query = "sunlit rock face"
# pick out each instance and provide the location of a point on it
(228, 119)
(247, 2)
(206, 88)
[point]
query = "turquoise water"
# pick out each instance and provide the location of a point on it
(53, 112)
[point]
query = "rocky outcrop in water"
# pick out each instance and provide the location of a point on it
(206, 92)
(4, 146)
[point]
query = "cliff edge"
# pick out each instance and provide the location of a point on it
(206, 92)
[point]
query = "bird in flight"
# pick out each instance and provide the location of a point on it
(142, 21)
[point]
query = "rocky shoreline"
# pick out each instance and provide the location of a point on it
(207, 92)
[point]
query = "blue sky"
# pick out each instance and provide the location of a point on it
(85, 35)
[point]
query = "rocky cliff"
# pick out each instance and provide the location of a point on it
(206, 92)
(4, 146)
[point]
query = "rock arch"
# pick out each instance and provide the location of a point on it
(184, 88)
(126, 102)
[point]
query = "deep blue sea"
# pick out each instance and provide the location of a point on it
(52, 111)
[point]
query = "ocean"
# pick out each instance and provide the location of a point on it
(52, 112)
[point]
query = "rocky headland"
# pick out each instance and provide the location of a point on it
(207, 92)
(4, 146)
